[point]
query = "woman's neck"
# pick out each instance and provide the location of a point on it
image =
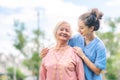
(61, 45)
(90, 37)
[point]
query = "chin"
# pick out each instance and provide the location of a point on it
(63, 39)
(82, 34)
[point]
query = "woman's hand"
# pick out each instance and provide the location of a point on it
(79, 52)
(44, 52)
(88, 62)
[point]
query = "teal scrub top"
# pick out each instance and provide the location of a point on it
(95, 51)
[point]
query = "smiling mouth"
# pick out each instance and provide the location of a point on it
(81, 33)
(64, 35)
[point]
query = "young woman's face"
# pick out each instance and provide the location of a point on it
(63, 32)
(83, 29)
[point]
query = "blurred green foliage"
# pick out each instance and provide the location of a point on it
(32, 60)
(111, 39)
(19, 75)
(21, 41)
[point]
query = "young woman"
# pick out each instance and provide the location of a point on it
(89, 47)
(60, 62)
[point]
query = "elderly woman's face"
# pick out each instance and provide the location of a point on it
(63, 32)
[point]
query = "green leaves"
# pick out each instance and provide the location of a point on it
(111, 39)
(20, 39)
(19, 74)
(32, 59)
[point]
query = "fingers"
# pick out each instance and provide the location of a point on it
(75, 49)
(44, 52)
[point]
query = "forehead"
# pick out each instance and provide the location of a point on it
(64, 25)
(81, 23)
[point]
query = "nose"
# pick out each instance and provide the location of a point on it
(64, 31)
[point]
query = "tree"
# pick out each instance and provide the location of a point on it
(111, 40)
(19, 74)
(32, 59)
(20, 39)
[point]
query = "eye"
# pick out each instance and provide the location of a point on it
(80, 27)
(61, 29)
(67, 30)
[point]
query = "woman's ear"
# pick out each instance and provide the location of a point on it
(92, 28)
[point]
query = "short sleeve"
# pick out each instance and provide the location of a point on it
(100, 60)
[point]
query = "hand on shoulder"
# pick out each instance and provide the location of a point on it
(78, 51)
(44, 52)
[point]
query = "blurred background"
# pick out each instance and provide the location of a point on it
(26, 27)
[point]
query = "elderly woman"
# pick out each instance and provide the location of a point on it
(60, 62)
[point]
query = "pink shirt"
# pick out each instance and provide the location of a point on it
(64, 65)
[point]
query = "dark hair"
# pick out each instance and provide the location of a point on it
(92, 18)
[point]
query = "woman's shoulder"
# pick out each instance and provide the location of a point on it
(73, 55)
(75, 40)
(50, 51)
(72, 51)
(76, 36)
(70, 48)
(100, 43)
